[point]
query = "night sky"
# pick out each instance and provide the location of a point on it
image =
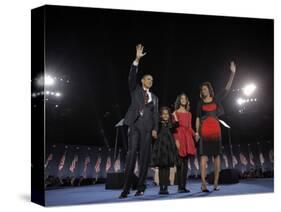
(94, 48)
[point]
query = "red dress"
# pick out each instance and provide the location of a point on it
(210, 130)
(210, 126)
(184, 134)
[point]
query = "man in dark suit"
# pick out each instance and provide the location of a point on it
(142, 119)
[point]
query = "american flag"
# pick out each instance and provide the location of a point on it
(196, 164)
(251, 157)
(261, 158)
(86, 162)
(234, 161)
(108, 164)
(225, 160)
(73, 163)
(62, 160)
(97, 166)
(270, 155)
(243, 159)
(50, 157)
(117, 164)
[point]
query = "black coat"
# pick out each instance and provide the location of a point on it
(150, 115)
(164, 150)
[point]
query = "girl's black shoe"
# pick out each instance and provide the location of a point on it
(163, 192)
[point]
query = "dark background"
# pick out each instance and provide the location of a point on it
(94, 48)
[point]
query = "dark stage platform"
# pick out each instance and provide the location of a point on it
(98, 194)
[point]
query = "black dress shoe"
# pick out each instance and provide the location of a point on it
(183, 190)
(163, 192)
(139, 193)
(123, 195)
(186, 190)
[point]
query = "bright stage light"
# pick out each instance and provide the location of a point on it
(47, 92)
(240, 101)
(49, 80)
(58, 94)
(249, 89)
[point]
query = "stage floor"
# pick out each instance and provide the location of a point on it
(98, 194)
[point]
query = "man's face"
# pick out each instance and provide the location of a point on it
(147, 81)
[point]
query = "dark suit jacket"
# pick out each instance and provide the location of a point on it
(150, 116)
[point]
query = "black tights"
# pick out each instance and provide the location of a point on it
(182, 172)
(164, 174)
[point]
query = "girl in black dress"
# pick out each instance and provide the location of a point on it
(209, 109)
(165, 153)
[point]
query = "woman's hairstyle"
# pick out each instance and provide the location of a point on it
(178, 102)
(210, 88)
(169, 111)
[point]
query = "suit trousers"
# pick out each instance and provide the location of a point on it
(139, 141)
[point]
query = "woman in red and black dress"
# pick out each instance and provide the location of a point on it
(208, 129)
(184, 139)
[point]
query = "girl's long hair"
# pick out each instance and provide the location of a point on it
(178, 102)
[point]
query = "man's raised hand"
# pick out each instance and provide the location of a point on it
(139, 52)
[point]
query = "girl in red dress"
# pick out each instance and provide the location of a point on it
(209, 109)
(184, 139)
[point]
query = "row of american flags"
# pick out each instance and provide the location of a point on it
(65, 161)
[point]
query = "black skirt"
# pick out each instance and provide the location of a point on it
(164, 150)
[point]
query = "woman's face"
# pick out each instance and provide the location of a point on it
(183, 100)
(165, 115)
(205, 91)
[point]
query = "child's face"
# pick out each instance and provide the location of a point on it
(183, 100)
(165, 115)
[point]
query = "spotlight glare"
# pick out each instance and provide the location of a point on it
(240, 101)
(249, 89)
(58, 94)
(49, 80)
